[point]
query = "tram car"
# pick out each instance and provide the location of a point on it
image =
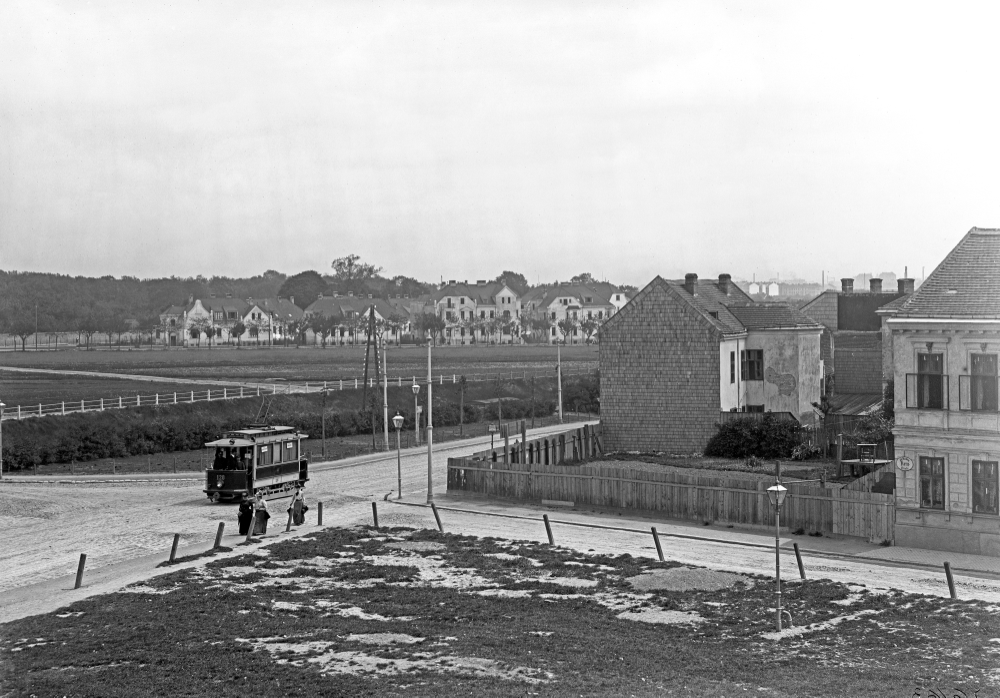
(259, 460)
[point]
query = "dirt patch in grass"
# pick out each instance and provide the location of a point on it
(685, 579)
(399, 612)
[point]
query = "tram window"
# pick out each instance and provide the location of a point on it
(291, 450)
(276, 453)
(264, 456)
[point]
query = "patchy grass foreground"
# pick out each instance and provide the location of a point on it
(418, 613)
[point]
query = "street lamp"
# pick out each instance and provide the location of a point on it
(430, 426)
(777, 496)
(416, 413)
(397, 422)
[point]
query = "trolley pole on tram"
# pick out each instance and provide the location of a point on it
(430, 426)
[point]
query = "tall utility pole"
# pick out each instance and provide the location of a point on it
(36, 326)
(323, 421)
(559, 379)
(385, 399)
(430, 427)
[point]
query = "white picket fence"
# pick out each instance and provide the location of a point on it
(236, 392)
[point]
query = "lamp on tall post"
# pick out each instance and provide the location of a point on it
(777, 496)
(397, 422)
(416, 413)
(430, 427)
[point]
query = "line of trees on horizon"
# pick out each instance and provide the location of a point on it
(47, 303)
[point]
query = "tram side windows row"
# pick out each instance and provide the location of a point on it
(231, 458)
(282, 452)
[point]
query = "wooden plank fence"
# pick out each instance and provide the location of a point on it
(672, 494)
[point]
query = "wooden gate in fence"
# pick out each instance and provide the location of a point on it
(676, 495)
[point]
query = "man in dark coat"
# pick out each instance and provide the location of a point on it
(245, 515)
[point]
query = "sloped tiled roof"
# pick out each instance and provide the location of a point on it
(481, 294)
(282, 308)
(893, 306)
(338, 306)
(854, 404)
(966, 284)
(236, 304)
(771, 316)
(580, 291)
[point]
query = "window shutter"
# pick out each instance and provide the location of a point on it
(911, 390)
(964, 392)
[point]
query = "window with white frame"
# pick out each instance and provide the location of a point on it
(984, 487)
(931, 482)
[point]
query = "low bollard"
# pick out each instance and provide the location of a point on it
(79, 570)
(656, 540)
(798, 559)
(173, 548)
(548, 529)
(319, 513)
(288, 526)
(375, 514)
(253, 524)
(951, 580)
(218, 535)
(437, 517)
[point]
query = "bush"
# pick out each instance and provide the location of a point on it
(763, 438)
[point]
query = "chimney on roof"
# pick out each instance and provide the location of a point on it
(480, 282)
(724, 281)
(191, 299)
(451, 281)
(875, 284)
(320, 295)
(847, 285)
(691, 284)
(905, 285)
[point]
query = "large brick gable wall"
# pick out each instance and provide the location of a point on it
(858, 362)
(659, 360)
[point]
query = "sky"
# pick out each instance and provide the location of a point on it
(458, 139)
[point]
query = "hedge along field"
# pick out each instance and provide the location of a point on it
(306, 363)
(151, 430)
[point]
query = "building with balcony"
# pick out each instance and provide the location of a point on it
(945, 347)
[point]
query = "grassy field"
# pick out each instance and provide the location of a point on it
(306, 363)
(33, 388)
(359, 612)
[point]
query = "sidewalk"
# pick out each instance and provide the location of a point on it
(826, 546)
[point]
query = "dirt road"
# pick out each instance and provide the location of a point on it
(47, 526)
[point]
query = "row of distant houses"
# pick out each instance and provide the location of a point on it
(680, 353)
(468, 313)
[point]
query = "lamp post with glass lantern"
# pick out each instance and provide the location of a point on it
(397, 422)
(416, 413)
(430, 426)
(777, 496)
